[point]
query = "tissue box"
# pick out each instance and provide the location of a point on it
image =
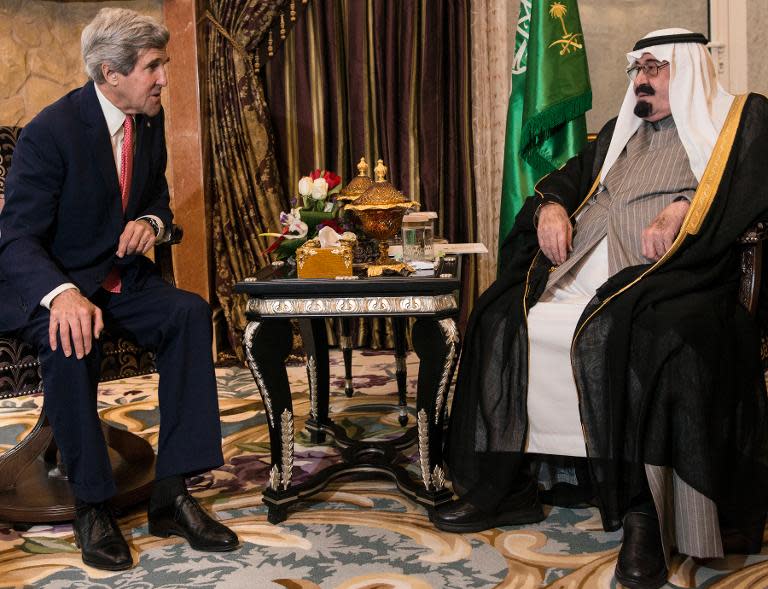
(313, 261)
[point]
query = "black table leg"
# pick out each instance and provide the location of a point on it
(267, 345)
(345, 343)
(436, 342)
(318, 373)
(401, 370)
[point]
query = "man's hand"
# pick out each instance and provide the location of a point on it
(76, 320)
(137, 238)
(658, 236)
(555, 232)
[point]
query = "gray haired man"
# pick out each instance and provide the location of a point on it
(86, 198)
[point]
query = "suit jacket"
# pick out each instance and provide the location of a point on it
(63, 215)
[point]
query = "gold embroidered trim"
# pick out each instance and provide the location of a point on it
(713, 174)
(702, 200)
(533, 262)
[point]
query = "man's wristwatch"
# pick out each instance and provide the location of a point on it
(152, 223)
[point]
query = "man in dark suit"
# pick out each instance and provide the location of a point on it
(86, 197)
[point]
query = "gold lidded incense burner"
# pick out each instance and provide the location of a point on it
(380, 210)
(357, 186)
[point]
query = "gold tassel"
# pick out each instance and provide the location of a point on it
(293, 10)
(270, 48)
(282, 26)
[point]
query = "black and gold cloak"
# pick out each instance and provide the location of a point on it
(665, 358)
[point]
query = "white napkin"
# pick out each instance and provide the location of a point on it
(329, 238)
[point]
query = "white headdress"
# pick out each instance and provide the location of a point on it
(699, 104)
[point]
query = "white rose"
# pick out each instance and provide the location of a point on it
(319, 189)
(305, 186)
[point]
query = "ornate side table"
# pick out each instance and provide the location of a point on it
(274, 297)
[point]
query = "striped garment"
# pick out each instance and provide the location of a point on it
(652, 171)
(688, 519)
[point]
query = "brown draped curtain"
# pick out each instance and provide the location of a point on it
(383, 79)
(247, 195)
(494, 25)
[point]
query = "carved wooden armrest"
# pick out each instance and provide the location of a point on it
(751, 242)
(758, 232)
(163, 256)
(171, 236)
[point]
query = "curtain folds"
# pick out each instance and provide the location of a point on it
(494, 23)
(383, 79)
(246, 192)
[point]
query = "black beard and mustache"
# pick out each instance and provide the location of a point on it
(642, 108)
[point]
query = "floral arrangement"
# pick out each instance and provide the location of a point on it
(293, 229)
(316, 209)
(316, 189)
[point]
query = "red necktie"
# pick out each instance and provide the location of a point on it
(126, 161)
(112, 282)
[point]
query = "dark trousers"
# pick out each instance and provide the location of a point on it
(177, 325)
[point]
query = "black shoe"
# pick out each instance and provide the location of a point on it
(461, 516)
(184, 517)
(641, 563)
(99, 538)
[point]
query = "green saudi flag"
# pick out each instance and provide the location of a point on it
(550, 94)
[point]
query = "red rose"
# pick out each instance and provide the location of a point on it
(333, 224)
(332, 179)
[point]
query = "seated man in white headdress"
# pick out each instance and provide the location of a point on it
(614, 332)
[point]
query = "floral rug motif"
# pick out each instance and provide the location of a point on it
(355, 535)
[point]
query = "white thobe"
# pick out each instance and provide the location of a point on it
(652, 172)
(554, 422)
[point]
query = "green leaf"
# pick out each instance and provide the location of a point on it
(287, 249)
(314, 218)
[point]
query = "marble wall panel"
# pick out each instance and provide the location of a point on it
(40, 51)
(757, 41)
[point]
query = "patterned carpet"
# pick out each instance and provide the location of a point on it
(358, 535)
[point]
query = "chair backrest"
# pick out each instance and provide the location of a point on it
(19, 368)
(8, 138)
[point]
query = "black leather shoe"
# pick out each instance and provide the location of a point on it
(461, 516)
(99, 538)
(641, 563)
(184, 517)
